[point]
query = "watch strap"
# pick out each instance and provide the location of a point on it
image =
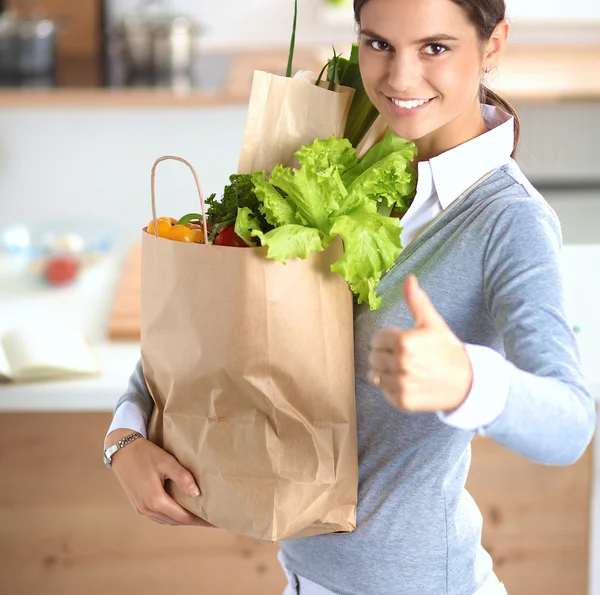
(111, 450)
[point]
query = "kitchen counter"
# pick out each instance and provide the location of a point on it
(527, 73)
(87, 306)
(84, 306)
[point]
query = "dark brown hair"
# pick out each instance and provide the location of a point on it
(485, 16)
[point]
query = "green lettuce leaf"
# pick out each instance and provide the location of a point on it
(371, 246)
(245, 222)
(390, 144)
(315, 195)
(332, 194)
(290, 241)
(390, 180)
(322, 156)
(276, 209)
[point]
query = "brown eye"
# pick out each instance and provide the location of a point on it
(435, 49)
(379, 46)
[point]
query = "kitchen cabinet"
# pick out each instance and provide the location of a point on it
(67, 527)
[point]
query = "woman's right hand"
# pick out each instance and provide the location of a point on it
(142, 468)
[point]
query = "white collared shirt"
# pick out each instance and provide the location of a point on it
(444, 178)
(441, 180)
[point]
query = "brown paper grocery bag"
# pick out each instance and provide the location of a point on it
(284, 114)
(375, 134)
(251, 367)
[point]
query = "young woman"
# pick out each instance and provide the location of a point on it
(480, 344)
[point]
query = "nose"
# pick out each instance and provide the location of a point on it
(404, 72)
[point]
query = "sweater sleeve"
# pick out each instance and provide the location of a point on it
(137, 394)
(549, 415)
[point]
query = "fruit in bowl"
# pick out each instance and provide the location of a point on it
(58, 252)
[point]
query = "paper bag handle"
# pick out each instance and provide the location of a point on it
(153, 191)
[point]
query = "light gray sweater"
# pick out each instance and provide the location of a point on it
(490, 265)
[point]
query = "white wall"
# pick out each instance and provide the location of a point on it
(554, 9)
(96, 163)
(235, 23)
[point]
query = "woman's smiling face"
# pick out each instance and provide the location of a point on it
(421, 63)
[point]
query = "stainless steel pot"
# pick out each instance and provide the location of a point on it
(173, 45)
(27, 45)
(158, 42)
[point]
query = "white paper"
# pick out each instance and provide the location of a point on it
(48, 351)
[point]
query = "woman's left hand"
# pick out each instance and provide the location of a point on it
(426, 368)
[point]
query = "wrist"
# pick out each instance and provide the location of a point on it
(465, 386)
(116, 435)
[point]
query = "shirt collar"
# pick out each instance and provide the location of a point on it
(456, 170)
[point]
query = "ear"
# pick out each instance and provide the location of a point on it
(496, 44)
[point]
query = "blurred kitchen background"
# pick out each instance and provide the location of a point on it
(91, 93)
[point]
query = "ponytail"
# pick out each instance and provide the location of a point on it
(489, 97)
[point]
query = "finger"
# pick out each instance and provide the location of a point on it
(161, 519)
(383, 379)
(180, 476)
(423, 311)
(165, 507)
(387, 361)
(390, 386)
(387, 339)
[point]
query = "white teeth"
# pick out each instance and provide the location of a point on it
(409, 104)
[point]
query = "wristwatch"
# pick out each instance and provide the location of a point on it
(111, 450)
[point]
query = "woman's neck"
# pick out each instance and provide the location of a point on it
(467, 126)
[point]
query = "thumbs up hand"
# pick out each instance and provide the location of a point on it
(426, 368)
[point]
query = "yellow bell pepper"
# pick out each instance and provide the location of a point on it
(181, 230)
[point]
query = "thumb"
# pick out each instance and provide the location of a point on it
(181, 477)
(423, 311)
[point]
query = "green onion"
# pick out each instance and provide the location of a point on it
(332, 80)
(320, 77)
(293, 42)
(362, 112)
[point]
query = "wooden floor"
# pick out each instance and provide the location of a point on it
(67, 528)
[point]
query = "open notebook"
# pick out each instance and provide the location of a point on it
(45, 352)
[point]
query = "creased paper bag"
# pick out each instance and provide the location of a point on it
(251, 367)
(286, 113)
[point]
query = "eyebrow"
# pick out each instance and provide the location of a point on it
(430, 39)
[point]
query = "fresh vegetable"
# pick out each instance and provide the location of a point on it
(228, 237)
(187, 219)
(239, 193)
(334, 193)
(334, 75)
(181, 233)
(198, 233)
(385, 175)
(346, 72)
(245, 222)
(164, 223)
(60, 270)
(170, 229)
(292, 42)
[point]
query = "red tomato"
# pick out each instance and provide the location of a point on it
(61, 270)
(228, 237)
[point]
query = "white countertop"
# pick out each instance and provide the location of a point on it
(87, 306)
